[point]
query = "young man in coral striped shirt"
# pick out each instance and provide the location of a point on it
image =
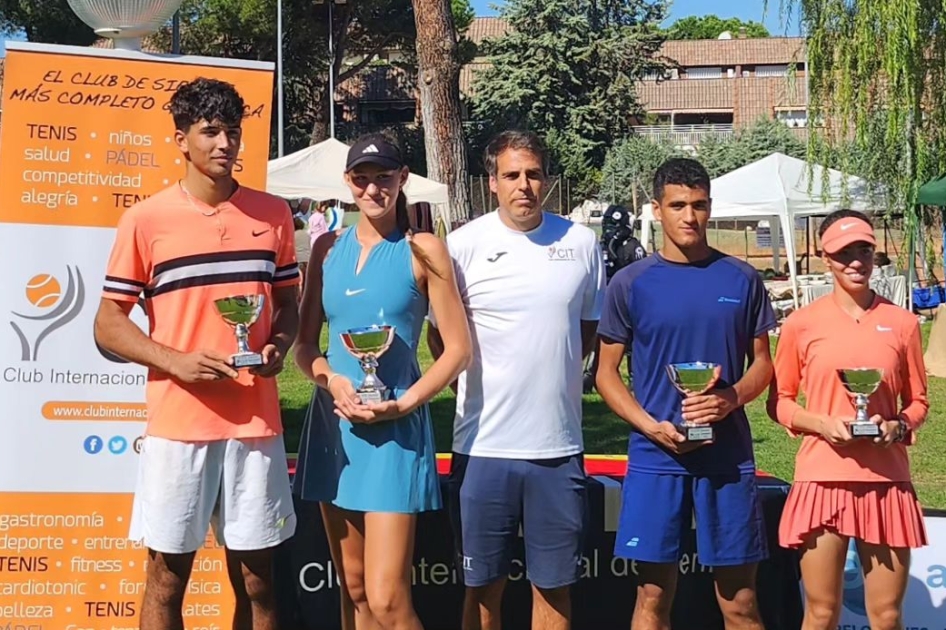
(213, 448)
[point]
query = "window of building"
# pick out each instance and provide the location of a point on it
(671, 73)
(703, 118)
(387, 112)
(704, 73)
(771, 71)
(793, 117)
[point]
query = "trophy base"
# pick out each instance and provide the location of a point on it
(698, 432)
(864, 429)
(371, 396)
(247, 360)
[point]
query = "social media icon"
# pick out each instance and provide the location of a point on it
(117, 445)
(93, 444)
(136, 445)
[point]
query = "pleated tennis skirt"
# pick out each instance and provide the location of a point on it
(875, 512)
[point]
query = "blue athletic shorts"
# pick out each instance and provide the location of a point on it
(490, 498)
(657, 510)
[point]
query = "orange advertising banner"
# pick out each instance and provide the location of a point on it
(84, 135)
(84, 138)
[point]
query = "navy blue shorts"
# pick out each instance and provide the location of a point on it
(725, 510)
(490, 498)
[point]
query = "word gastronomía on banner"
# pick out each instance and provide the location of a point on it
(86, 133)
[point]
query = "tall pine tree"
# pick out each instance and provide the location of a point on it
(568, 69)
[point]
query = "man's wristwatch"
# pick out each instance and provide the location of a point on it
(902, 432)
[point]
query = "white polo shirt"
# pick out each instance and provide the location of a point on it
(526, 294)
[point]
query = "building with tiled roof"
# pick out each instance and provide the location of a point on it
(483, 28)
(364, 98)
(381, 94)
(739, 51)
(719, 85)
(714, 87)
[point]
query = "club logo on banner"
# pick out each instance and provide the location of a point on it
(57, 307)
(86, 134)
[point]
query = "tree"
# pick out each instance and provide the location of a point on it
(361, 32)
(568, 70)
(878, 84)
(246, 29)
(748, 145)
(712, 26)
(439, 83)
(45, 21)
(463, 16)
(628, 174)
(630, 165)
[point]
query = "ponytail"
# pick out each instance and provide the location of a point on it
(404, 225)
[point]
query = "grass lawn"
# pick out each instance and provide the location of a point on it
(606, 434)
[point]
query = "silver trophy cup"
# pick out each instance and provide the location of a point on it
(693, 378)
(367, 345)
(241, 312)
(861, 383)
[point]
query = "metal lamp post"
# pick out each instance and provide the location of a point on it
(331, 65)
(279, 81)
(125, 21)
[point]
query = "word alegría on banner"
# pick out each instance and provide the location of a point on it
(85, 134)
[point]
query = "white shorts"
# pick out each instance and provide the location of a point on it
(241, 487)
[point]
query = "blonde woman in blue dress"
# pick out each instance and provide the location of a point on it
(373, 467)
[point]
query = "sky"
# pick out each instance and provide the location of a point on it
(3, 39)
(748, 10)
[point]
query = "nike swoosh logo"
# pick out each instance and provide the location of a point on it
(497, 256)
(847, 226)
(260, 233)
(350, 293)
(883, 328)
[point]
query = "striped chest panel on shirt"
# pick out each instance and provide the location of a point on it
(183, 248)
(214, 268)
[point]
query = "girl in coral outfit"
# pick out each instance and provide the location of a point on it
(851, 487)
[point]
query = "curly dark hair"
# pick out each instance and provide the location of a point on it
(206, 99)
(837, 215)
(680, 172)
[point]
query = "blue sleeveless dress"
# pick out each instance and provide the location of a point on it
(388, 466)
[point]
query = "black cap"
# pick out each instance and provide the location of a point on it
(374, 151)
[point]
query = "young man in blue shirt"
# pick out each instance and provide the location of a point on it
(688, 303)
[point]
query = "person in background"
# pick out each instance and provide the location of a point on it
(303, 244)
(532, 283)
(881, 260)
(317, 224)
(688, 302)
(850, 488)
(372, 466)
(213, 450)
(619, 248)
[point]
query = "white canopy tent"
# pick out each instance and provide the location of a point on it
(316, 172)
(776, 187)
